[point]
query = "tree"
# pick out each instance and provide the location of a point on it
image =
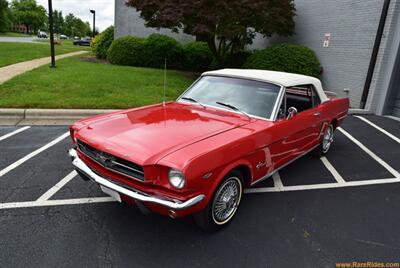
(58, 20)
(74, 26)
(28, 13)
(69, 25)
(5, 16)
(227, 26)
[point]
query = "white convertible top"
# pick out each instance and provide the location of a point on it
(279, 78)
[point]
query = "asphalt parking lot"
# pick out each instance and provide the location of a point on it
(314, 213)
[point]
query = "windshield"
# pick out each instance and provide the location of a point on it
(248, 96)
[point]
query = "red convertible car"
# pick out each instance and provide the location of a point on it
(194, 156)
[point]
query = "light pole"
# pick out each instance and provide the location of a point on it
(94, 21)
(53, 60)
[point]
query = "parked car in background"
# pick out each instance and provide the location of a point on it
(82, 42)
(42, 34)
(63, 36)
(194, 156)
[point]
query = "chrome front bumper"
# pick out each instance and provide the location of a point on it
(175, 205)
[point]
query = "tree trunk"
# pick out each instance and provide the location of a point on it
(225, 47)
(213, 47)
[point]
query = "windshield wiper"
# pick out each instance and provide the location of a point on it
(193, 100)
(233, 108)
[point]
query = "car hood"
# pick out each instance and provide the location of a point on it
(148, 134)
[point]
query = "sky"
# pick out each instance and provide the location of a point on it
(80, 8)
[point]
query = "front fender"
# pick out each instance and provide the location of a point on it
(222, 172)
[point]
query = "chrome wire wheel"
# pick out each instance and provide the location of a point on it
(226, 200)
(327, 139)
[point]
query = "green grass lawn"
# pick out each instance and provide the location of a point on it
(79, 83)
(11, 53)
(13, 34)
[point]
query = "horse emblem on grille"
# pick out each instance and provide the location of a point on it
(106, 160)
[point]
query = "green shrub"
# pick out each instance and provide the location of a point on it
(289, 58)
(235, 60)
(196, 56)
(94, 43)
(104, 42)
(127, 50)
(159, 47)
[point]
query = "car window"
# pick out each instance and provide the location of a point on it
(253, 97)
(282, 112)
(302, 97)
(315, 97)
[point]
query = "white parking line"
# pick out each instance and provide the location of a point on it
(34, 153)
(61, 202)
(78, 201)
(393, 117)
(370, 153)
(92, 200)
(57, 187)
(19, 130)
(379, 128)
(277, 181)
(322, 186)
(332, 170)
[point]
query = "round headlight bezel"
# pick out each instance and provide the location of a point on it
(73, 133)
(176, 178)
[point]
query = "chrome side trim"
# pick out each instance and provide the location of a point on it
(276, 170)
(175, 205)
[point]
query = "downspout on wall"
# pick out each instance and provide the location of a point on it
(374, 56)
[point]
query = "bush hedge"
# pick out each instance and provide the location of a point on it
(159, 47)
(290, 58)
(104, 41)
(152, 52)
(127, 50)
(235, 60)
(197, 56)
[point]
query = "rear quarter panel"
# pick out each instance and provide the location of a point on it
(335, 109)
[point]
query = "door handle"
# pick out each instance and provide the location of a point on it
(317, 114)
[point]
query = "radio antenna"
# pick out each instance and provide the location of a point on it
(165, 78)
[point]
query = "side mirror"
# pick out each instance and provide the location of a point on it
(291, 112)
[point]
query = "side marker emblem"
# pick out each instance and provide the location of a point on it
(208, 175)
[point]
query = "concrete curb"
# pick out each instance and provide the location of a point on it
(45, 116)
(359, 112)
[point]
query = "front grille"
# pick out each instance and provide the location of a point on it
(112, 162)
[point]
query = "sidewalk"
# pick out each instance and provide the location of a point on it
(43, 117)
(10, 71)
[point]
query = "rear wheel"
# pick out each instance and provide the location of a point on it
(224, 204)
(326, 142)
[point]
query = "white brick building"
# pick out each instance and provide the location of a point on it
(351, 27)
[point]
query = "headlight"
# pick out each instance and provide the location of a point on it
(176, 178)
(73, 132)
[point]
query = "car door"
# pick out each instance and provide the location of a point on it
(318, 112)
(299, 133)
